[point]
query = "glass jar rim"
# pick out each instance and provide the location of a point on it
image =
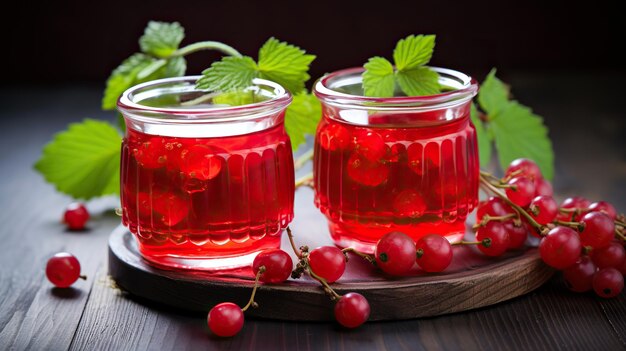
(131, 108)
(465, 89)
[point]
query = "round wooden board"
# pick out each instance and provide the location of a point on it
(472, 281)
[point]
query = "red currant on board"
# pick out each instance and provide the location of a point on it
(328, 262)
(517, 234)
(522, 191)
(225, 319)
(612, 255)
(494, 238)
(63, 269)
(524, 167)
(543, 187)
(543, 209)
(605, 207)
(598, 230)
(608, 282)
(434, 253)
(277, 263)
(579, 276)
(560, 248)
(494, 207)
(395, 253)
(352, 310)
(576, 202)
(76, 216)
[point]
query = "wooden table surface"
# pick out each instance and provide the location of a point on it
(587, 127)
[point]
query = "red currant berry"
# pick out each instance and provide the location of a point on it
(366, 172)
(598, 230)
(370, 145)
(352, 310)
(576, 202)
(494, 238)
(543, 187)
(328, 262)
(524, 167)
(622, 268)
(521, 192)
(395, 253)
(277, 263)
(608, 282)
(612, 255)
(76, 216)
(560, 248)
(517, 234)
(494, 207)
(543, 209)
(579, 276)
(225, 319)
(605, 207)
(434, 253)
(63, 269)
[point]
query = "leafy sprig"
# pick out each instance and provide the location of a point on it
(514, 129)
(410, 74)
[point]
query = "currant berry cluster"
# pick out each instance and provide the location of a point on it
(585, 240)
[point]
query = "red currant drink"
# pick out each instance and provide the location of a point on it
(205, 186)
(407, 164)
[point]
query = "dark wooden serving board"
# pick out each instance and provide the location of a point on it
(472, 281)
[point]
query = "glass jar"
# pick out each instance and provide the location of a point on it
(205, 185)
(407, 164)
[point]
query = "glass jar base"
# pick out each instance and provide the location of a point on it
(205, 264)
(364, 238)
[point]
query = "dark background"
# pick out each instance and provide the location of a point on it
(82, 41)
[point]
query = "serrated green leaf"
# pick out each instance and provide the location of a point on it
(284, 64)
(418, 81)
(302, 117)
(161, 39)
(123, 77)
(518, 132)
(484, 141)
(378, 79)
(493, 95)
(150, 69)
(175, 67)
(229, 73)
(413, 51)
(84, 160)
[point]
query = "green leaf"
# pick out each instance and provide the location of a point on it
(284, 64)
(237, 98)
(150, 69)
(175, 67)
(484, 141)
(378, 79)
(229, 73)
(418, 81)
(519, 133)
(161, 39)
(493, 95)
(123, 77)
(302, 117)
(84, 160)
(413, 51)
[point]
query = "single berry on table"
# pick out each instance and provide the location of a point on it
(352, 310)
(434, 253)
(225, 319)
(63, 269)
(395, 253)
(560, 248)
(608, 282)
(278, 266)
(327, 262)
(76, 216)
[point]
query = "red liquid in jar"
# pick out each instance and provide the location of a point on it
(371, 180)
(207, 197)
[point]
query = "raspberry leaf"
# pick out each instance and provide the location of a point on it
(161, 39)
(378, 79)
(302, 117)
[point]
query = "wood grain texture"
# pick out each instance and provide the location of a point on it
(587, 129)
(473, 281)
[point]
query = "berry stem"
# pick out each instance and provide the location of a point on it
(293, 244)
(306, 180)
(485, 182)
(511, 176)
(467, 243)
(574, 225)
(303, 159)
(256, 285)
(620, 235)
(487, 218)
(83, 277)
(620, 223)
(206, 45)
(364, 256)
(330, 291)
